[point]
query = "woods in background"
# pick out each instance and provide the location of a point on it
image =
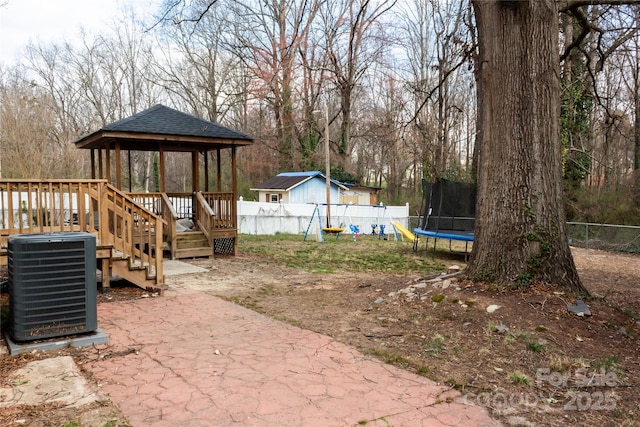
(398, 80)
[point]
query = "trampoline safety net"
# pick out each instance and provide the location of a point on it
(448, 205)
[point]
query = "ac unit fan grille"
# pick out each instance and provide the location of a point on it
(52, 287)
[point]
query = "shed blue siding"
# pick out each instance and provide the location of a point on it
(314, 191)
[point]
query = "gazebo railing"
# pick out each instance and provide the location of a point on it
(224, 209)
(214, 213)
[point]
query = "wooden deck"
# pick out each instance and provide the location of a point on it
(132, 229)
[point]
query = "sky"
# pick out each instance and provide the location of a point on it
(22, 21)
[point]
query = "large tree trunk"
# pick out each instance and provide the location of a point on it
(520, 234)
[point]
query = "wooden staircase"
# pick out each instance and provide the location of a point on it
(214, 218)
(191, 244)
(128, 236)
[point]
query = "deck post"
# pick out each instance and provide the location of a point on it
(106, 274)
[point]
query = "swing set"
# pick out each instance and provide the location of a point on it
(377, 229)
(355, 230)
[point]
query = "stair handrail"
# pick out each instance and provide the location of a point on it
(131, 229)
(171, 215)
(205, 217)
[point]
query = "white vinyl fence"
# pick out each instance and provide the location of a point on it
(272, 218)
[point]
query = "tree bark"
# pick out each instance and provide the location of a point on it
(520, 234)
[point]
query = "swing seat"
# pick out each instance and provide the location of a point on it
(333, 230)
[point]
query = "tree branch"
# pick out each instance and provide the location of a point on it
(566, 5)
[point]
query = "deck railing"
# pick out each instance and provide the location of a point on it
(41, 206)
(211, 212)
(93, 206)
(224, 209)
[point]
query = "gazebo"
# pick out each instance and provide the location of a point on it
(211, 217)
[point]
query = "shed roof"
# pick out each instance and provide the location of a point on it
(159, 126)
(286, 181)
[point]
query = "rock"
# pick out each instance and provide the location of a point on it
(580, 309)
(492, 308)
(424, 298)
(392, 294)
(436, 284)
(466, 324)
(453, 269)
(501, 329)
(379, 300)
(420, 285)
(446, 284)
(623, 331)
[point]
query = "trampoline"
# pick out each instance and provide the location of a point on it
(447, 212)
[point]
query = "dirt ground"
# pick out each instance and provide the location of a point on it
(531, 361)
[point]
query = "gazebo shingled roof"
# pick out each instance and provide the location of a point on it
(162, 129)
(161, 126)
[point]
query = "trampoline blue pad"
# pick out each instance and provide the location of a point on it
(465, 236)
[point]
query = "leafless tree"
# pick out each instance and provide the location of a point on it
(355, 37)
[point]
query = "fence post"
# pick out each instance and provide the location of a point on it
(586, 235)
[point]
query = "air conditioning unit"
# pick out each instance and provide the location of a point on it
(52, 285)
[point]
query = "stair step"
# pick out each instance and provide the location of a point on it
(194, 252)
(193, 244)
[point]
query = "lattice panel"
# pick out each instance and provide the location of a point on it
(223, 246)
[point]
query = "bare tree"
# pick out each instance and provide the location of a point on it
(29, 147)
(268, 38)
(354, 39)
(437, 41)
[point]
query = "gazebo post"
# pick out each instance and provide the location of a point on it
(93, 164)
(195, 171)
(162, 184)
(100, 166)
(108, 162)
(129, 168)
(118, 167)
(234, 172)
(219, 171)
(206, 171)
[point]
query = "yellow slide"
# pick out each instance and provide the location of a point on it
(403, 231)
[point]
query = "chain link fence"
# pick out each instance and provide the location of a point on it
(622, 238)
(609, 237)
